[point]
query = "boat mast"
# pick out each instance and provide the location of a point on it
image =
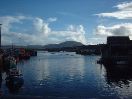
(0, 35)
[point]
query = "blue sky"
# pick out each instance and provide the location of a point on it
(54, 21)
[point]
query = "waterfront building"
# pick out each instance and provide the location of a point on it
(118, 50)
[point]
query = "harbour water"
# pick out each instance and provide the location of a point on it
(69, 75)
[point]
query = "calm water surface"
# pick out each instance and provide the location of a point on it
(72, 76)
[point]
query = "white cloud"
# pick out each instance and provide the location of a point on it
(97, 40)
(42, 33)
(6, 22)
(72, 32)
(124, 29)
(42, 27)
(124, 11)
(125, 6)
(52, 19)
(118, 14)
(75, 33)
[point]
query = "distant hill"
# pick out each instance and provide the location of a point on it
(49, 46)
(64, 44)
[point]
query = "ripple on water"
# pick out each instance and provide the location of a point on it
(71, 75)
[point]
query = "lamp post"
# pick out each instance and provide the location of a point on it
(0, 35)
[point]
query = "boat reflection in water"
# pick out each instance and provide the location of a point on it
(118, 75)
(14, 80)
(0, 81)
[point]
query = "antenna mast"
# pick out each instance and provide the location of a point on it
(0, 35)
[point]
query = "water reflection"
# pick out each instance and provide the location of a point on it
(43, 70)
(120, 79)
(0, 80)
(77, 68)
(70, 75)
(118, 75)
(14, 84)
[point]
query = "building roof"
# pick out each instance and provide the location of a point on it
(117, 39)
